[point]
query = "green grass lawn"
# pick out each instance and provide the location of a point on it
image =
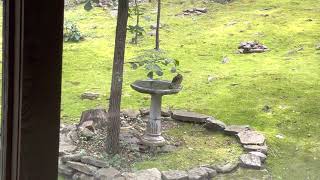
(287, 82)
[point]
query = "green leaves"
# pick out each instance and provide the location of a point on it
(155, 63)
(136, 29)
(71, 32)
(150, 75)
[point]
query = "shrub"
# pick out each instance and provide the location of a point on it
(71, 32)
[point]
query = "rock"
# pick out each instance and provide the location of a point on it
(280, 136)
(168, 148)
(266, 108)
(225, 60)
(128, 176)
(263, 149)
(88, 125)
(119, 178)
(71, 157)
(252, 47)
(251, 138)
(226, 168)
(235, 129)
(84, 132)
(198, 174)
(262, 156)
(128, 138)
(64, 139)
(318, 46)
(149, 174)
(87, 169)
(152, 33)
(94, 162)
(90, 95)
(66, 148)
(65, 170)
(154, 26)
(210, 78)
(164, 113)
(222, 1)
(107, 174)
(81, 176)
(73, 136)
(211, 172)
(213, 124)
(98, 116)
(202, 10)
(65, 129)
(196, 11)
(144, 111)
(250, 161)
(182, 115)
(174, 175)
(130, 113)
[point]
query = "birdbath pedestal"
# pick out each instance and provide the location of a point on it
(157, 89)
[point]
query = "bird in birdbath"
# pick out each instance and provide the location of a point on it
(176, 82)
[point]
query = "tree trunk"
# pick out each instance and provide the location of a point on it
(112, 142)
(158, 25)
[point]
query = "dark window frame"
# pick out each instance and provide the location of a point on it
(31, 92)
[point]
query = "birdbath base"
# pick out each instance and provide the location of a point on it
(157, 89)
(153, 137)
(153, 140)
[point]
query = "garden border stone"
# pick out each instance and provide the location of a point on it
(82, 167)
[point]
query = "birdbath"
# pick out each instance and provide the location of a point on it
(157, 89)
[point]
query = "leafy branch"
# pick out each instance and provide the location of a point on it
(154, 62)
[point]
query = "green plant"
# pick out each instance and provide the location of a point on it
(154, 62)
(71, 32)
(136, 29)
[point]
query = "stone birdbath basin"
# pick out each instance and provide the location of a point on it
(157, 89)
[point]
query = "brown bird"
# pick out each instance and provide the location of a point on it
(176, 82)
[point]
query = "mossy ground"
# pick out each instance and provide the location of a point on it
(287, 82)
(200, 147)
